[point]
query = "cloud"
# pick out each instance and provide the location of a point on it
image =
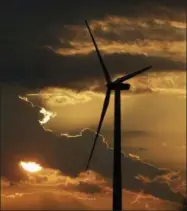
(73, 193)
(63, 96)
(46, 69)
(84, 190)
(142, 36)
(85, 184)
(41, 200)
(145, 47)
(165, 89)
(61, 152)
(29, 44)
(158, 117)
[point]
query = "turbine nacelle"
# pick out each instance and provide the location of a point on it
(118, 86)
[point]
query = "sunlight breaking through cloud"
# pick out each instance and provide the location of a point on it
(30, 166)
(47, 116)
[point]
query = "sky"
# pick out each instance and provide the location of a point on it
(52, 91)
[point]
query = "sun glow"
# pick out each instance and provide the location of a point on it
(30, 166)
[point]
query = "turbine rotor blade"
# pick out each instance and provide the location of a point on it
(105, 71)
(105, 106)
(131, 75)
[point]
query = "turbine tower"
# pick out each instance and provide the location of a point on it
(115, 86)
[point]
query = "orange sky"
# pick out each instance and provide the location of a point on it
(52, 94)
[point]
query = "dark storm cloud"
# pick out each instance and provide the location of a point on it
(75, 11)
(24, 138)
(26, 27)
(46, 68)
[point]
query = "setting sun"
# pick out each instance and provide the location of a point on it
(30, 166)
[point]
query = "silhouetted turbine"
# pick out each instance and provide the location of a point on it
(117, 86)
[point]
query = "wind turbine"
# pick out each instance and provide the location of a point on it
(115, 86)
